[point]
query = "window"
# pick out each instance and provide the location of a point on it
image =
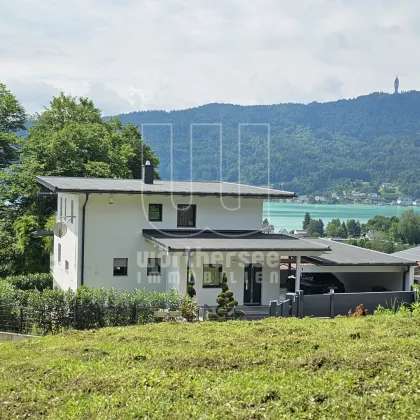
(212, 275)
(61, 206)
(59, 253)
(155, 212)
(71, 211)
(66, 265)
(153, 266)
(65, 208)
(120, 266)
(186, 215)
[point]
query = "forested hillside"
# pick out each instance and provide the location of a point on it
(314, 148)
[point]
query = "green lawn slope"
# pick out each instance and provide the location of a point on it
(277, 368)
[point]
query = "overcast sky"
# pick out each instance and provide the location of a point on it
(132, 55)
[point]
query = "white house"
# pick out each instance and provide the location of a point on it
(152, 234)
(405, 201)
(133, 234)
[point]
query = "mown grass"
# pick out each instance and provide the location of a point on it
(277, 368)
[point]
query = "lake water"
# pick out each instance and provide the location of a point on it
(290, 216)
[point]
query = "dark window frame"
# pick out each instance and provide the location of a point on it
(181, 210)
(212, 286)
(150, 267)
(160, 206)
(122, 272)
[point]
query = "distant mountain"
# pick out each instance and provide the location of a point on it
(314, 148)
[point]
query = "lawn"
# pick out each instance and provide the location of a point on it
(277, 368)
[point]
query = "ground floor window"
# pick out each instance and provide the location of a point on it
(120, 266)
(153, 266)
(212, 275)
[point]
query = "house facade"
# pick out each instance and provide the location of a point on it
(160, 235)
(132, 234)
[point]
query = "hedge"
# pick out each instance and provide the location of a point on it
(35, 281)
(51, 311)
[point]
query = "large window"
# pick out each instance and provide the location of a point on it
(186, 215)
(153, 266)
(155, 212)
(120, 266)
(212, 275)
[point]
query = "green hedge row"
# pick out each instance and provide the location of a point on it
(35, 281)
(51, 311)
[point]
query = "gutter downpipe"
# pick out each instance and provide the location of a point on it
(82, 274)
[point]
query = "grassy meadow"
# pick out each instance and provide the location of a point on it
(277, 368)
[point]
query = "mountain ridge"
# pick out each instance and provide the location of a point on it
(314, 148)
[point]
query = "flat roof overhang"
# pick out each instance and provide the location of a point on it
(229, 241)
(349, 256)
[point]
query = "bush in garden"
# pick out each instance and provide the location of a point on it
(51, 311)
(35, 281)
(9, 307)
(189, 308)
(226, 303)
(190, 287)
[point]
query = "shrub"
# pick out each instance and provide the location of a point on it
(189, 308)
(226, 304)
(190, 287)
(35, 281)
(51, 311)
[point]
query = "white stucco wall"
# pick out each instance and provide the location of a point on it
(234, 269)
(115, 231)
(63, 278)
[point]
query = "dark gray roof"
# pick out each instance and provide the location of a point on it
(137, 186)
(176, 240)
(409, 254)
(344, 254)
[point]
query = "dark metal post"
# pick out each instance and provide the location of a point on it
(301, 304)
(332, 304)
(272, 309)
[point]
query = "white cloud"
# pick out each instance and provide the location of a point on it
(172, 54)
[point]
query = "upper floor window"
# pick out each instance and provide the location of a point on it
(155, 212)
(186, 215)
(120, 266)
(61, 206)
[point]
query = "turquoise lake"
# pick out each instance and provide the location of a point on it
(290, 216)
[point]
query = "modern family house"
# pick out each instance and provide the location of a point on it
(153, 234)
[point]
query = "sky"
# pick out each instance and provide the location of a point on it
(130, 55)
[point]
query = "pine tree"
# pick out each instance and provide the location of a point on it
(306, 221)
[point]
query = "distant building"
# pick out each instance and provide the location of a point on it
(301, 233)
(387, 185)
(416, 202)
(373, 195)
(405, 201)
(396, 85)
(283, 231)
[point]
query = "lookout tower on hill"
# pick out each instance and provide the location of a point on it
(396, 85)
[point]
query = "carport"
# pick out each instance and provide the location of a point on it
(360, 269)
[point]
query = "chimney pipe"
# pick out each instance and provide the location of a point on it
(148, 174)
